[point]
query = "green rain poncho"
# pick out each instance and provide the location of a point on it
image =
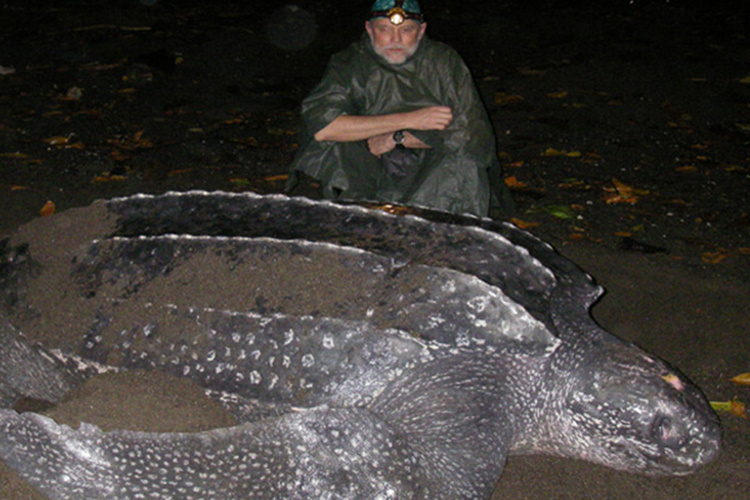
(459, 173)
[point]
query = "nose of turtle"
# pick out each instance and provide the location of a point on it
(684, 430)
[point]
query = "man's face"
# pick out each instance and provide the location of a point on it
(394, 43)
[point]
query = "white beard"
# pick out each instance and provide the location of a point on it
(400, 59)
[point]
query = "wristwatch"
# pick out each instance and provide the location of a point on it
(399, 137)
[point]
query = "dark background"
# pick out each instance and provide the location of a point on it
(105, 99)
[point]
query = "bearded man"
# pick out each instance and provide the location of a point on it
(397, 118)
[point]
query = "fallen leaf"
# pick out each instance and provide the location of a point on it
(57, 140)
(560, 211)
(274, 178)
(745, 80)
(515, 164)
(734, 407)
(280, 131)
(622, 193)
(522, 224)
(513, 182)
(18, 188)
(743, 379)
(558, 95)
(64, 142)
(557, 152)
(529, 71)
(504, 99)
(715, 257)
(572, 183)
(14, 155)
(47, 209)
(687, 168)
(624, 234)
(109, 178)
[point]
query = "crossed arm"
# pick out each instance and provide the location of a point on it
(378, 130)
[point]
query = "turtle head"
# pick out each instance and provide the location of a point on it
(625, 409)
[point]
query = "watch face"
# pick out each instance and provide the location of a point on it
(398, 137)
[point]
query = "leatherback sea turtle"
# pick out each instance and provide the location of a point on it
(368, 355)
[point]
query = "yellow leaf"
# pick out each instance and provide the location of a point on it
(561, 152)
(624, 234)
(687, 168)
(529, 71)
(734, 407)
(715, 257)
(58, 140)
(745, 80)
(274, 178)
(522, 223)
(18, 188)
(513, 182)
(743, 379)
(47, 209)
(14, 155)
(558, 95)
(553, 152)
(504, 99)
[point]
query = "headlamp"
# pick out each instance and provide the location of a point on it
(397, 15)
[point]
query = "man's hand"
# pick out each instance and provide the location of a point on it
(430, 118)
(381, 144)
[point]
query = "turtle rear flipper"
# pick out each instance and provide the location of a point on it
(27, 372)
(308, 454)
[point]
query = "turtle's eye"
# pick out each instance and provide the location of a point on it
(661, 429)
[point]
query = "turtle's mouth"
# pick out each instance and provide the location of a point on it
(661, 458)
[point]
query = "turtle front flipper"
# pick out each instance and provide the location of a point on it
(335, 453)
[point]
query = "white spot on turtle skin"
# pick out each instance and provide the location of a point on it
(328, 342)
(478, 304)
(255, 377)
(211, 356)
(148, 330)
(236, 337)
(185, 370)
(288, 337)
(308, 360)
